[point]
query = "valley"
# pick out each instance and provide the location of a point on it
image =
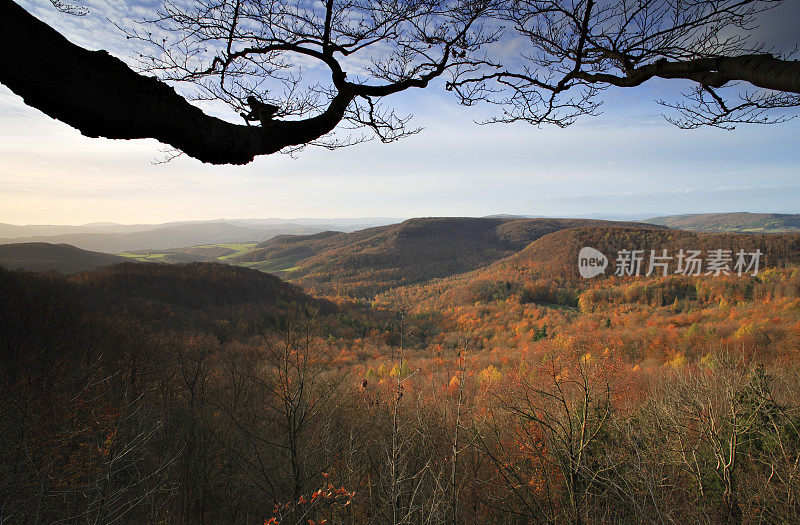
(300, 363)
(399, 262)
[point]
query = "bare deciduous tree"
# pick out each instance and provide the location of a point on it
(573, 50)
(712, 417)
(298, 70)
(559, 414)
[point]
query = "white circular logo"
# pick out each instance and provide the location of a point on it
(591, 262)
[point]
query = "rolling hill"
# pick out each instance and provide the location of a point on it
(366, 262)
(40, 257)
(557, 254)
(547, 270)
(201, 253)
(197, 285)
(162, 237)
(114, 238)
(166, 303)
(12, 231)
(732, 222)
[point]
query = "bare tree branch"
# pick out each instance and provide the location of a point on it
(255, 56)
(574, 50)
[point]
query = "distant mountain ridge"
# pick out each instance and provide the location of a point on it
(9, 231)
(157, 238)
(359, 263)
(744, 222)
(167, 237)
(115, 238)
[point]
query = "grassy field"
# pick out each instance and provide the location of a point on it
(237, 247)
(150, 257)
(174, 255)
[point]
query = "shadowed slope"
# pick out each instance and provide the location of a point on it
(40, 256)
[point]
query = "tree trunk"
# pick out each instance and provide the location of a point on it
(100, 96)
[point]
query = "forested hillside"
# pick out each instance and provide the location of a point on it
(215, 294)
(41, 257)
(514, 392)
(363, 263)
(547, 269)
(732, 222)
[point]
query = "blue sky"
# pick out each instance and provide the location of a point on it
(627, 161)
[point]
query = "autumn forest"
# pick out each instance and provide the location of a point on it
(550, 275)
(488, 384)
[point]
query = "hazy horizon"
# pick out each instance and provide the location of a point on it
(388, 220)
